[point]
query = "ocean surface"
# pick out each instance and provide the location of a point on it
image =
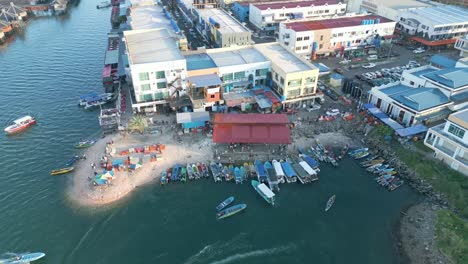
(56, 59)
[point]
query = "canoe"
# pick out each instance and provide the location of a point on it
(61, 171)
(230, 211)
(225, 203)
(330, 203)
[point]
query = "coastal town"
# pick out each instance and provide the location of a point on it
(269, 94)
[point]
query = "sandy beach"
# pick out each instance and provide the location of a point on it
(82, 191)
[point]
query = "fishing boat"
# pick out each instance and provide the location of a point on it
(264, 192)
(247, 170)
(85, 97)
(225, 203)
(243, 174)
(195, 171)
(205, 170)
(230, 211)
(237, 175)
(253, 173)
(72, 161)
(85, 143)
(200, 170)
(260, 170)
(330, 203)
(396, 185)
(231, 172)
(356, 151)
(291, 175)
(312, 163)
(301, 173)
(215, 171)
(22, 258)
(20, 124)
(226, 175)
(272, 178)
(311, 173)
(163, 179)
(371, 162)
(175, 173)
(183, 173)
(279, 171)
(361, 155)
(98, 100)
(61, 171)
(189, 171)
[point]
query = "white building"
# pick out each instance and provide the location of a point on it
(266, 16)
(462, 45)
(333, 35)
(450, 141)
(385, 8)
(443, 22)
(156, 67)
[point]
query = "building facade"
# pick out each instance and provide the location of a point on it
(266, 16)
(450, 141)
(462, 45)
(335, 35)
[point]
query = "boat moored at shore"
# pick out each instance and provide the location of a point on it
(264, 191)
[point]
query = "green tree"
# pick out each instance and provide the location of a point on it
(138, 123)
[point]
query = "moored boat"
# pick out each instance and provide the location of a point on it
(183, 174)
(72, 161)
(85, 143)
(188, 168)
(98, 100)
(163, 179)
(195, 171)
(103, 4)
(279, 171)
(260, 170)
(291, 175)
(356, 151)
(215, 171)
(330, 203)
(264, 192)
(230, 211)
(23, 258)
(361, 155)
(237, 175)
(20, 124)
(61, 171)
(272, 178)
(243, 173)
(225, 203)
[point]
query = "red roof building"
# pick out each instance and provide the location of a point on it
(251, 129)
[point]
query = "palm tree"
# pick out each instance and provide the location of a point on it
(138, 123)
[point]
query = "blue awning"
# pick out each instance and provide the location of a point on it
(205, 80)
(193, 124)
(410, 131)
(384, 117)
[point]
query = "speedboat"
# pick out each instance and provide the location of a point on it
(20, 124)
(22, 258)
(225, 203)
(103, 4)
(61, 171)
(231, 211)
(330, 203)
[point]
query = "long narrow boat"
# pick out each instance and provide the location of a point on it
(264, 192)
(237, 175)
(85, 143)
(189, 171)
(301, 173)
(291, 175)
(243, 174)
(279, 171)
(163, 179)
(225, 203)
(356, 151)
(272, 178)
(230, 211)
(215, 171)
(61, 171)
(261, 173)
(23, 258)
(72, 161)
(312, 163)
(205, 169)
(175, 173)
(312, 174)
(195, 171)
(253, 173)
(361, 155)
(183, 173)
(330, 203)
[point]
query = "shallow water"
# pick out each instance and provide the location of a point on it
(43, 73)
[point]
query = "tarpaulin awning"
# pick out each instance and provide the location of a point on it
(382, 116)
(410, 131)
(435, 42)
(112, 57)
(192, 117)
(262, 101)
(273, 98)
(205, 80)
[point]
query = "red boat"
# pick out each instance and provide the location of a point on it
(20, 124)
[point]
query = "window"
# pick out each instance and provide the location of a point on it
(161, 85)
(144, 76)
(282, 81)
(160, 75)
(227, 77)
(276, 76)
(306, 38)
(326, 11)
(309, 80)
(239, 75)
(321, 37)
(146, 87)
(261, 72)
(295, 92)
(298, 48)
(146, 97)
(212, 96)
(456, 131)
(305, 47)
(296, 82)
(299, 39)
(320, 46)
(411, 83)
(158, 96)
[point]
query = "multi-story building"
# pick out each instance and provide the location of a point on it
(292, 77)
(222, 29)
(335, 35)
(434, 26)
(156, 67)
(266, 16)
(385, 8)
(450, 141)
(462, 45)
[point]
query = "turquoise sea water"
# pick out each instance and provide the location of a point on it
(45, 70)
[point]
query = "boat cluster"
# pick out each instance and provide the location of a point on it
(325, 154)
(223, 213)
(68, 167)
(90, 100)
(386, 175)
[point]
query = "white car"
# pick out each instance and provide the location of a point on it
(333, 112)
(419, 50)
(368, 65)
(344, 62)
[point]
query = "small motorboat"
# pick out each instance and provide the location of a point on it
(230, 211)
(85, 143)
(225, 203)
(330, 203)
(103, 4)
(61, 171)
(22, 258)
(163, 178)
(20, 124)
(189, 171)
(72, 161)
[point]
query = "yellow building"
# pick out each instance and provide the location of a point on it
(293, 78)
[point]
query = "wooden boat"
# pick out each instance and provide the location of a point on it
(396, 185)
(227, 177)
(330, 203)
(356, 151)
(200, 169)
(20, 124)
(163, 179)
(291, 175)
(243, 174)
(264, 192)
(361, 155)
(103, 4)
(189, 171)
(175, 173)
(72, 161)
(231, 172)
(279, 171)
(169, 174)
(85, 143)
(237, 175)
(371, 163)
(225, 203)
(205, 170)
(230, 211)
(195, 171)
(183, 174)
(260, 170)
(61, 171)
(246, 169)
(215, 171)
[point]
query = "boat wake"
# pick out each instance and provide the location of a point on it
(254, 254)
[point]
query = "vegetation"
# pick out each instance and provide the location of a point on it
(138, 123)
(452, 236)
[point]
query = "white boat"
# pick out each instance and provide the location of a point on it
(330, 203)
(20, 124)
(22, 258)
(103, 4)
(279, 170)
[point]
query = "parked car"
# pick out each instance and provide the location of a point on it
(410, 47)
(333, 112)
(419, 50)
(339, 70)
(368, 65)
(372, 57)
(314, 107)
(344, 62)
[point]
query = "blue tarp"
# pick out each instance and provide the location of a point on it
(383, 117)
(410, 131)
(193, 124)
(260, 169)
(288, 170)
(117, 162)
(312, 163)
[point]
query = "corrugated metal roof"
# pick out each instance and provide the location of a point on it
(112, 57)
(452, 78)
(334, 23)
(421, 99)
(192, 117)
(251, 119)
(443, 61)
(292, 4)
(199, 61)
(205, 80)
(251, 133)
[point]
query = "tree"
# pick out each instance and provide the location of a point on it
(138, 123)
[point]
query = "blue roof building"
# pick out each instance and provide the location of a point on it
(442, 62)
(450, 79)
(421, 99)
(241, 11)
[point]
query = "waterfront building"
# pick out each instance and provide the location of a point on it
(266, 16)
(385, 8)
(462, 45)
(338, 35)
(434, 26)
(222, 29)
(157, 72)
(293, 78)
(450, 141)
